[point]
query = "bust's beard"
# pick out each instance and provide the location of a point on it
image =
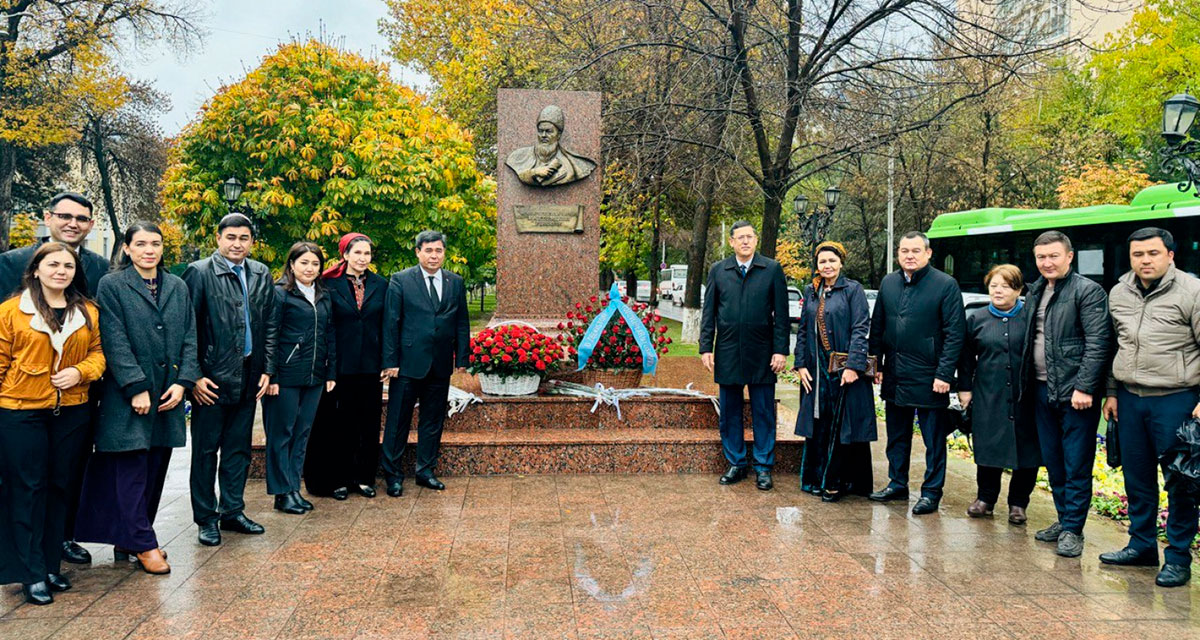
(545, 152)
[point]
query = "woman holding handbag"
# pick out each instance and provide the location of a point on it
(837, 406)
(990, 385)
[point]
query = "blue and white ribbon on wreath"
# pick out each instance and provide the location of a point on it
(641, 335)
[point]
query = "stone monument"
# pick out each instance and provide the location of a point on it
(547, 203)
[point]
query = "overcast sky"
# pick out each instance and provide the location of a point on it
(241, 32)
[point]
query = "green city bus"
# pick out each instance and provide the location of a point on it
(966, 244)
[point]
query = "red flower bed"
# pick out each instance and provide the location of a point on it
(514, 350)
(616, 349)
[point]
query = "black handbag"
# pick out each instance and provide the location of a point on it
(1112, 444)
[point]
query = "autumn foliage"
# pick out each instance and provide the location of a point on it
(1101, 184)
(327, 143)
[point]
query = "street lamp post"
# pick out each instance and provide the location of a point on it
(816, 224)
(231, 191)
(1179, 113)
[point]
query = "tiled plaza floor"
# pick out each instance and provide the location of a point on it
(613, 557)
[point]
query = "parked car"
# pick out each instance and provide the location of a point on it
(795, 306)
(643, 290)
(872, 294)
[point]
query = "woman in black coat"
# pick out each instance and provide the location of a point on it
(305, 365)
(148, 333)
(990, 384)
(837, 407)
(343, 452)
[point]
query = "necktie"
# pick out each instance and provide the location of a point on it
(433, 294)
(742, 269)
(237, 270)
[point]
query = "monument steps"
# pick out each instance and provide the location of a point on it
(557, 434)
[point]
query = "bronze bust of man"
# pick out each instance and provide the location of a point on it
(547, 164)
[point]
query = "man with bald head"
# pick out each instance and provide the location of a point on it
(547, 164)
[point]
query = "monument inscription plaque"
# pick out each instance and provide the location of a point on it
(548, 203)
(548, 218)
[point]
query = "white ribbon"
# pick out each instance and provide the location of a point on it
(612, 397)
(459, 400)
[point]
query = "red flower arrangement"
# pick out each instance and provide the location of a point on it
(616, 349)
(513, 350)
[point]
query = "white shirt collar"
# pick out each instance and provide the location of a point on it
(746, 263)
(437, 275)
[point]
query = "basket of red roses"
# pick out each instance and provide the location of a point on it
(616, 360)
(510, 359)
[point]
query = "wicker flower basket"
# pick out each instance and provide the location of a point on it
(494, 385)
(615, 378)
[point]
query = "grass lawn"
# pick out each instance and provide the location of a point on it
(677, 349)
(479, 319)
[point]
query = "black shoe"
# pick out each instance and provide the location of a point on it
(431, 483)
(241, 524)
(367, 490)
(286, 503)
(210, 535)
(395, 488)
(733, 476)
(1128, 557)
(1173, 575)
(924, 506)
(831, 496)
(37, 593)
(308, 506)
(341, 493)
(1049, 534)
(58, 582)
(763, 481)
(887, 494)
(74, 553)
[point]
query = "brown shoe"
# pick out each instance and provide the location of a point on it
(979, 509)
(153, 562)
(1016, 515)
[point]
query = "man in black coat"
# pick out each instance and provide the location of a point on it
(1068, 345)
(743, 340)
(69, 220)
(236, 336)
(426, 336)
(917, 333)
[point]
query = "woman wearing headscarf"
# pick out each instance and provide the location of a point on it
(837, 406)
(49, 354)
(148, 328)
(343, 452)
(990, 384)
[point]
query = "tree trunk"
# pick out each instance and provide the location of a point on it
(696, 272)
(631, 284)
(606, 279)
(8, 171)
(656, 239)
(773, 193)
(870, 250)
(106, 188)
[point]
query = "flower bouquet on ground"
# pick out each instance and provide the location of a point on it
(510, 359)
(616, 360)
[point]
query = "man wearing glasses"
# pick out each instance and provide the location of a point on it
(69, 220)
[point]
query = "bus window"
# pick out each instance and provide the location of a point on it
(1091, 262)
(949, 265)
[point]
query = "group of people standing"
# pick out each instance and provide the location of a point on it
(95, 365)
(1035, 374)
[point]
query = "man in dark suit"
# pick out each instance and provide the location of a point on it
(746, 315)
(426, 335)
(236, 341)
(69, 220)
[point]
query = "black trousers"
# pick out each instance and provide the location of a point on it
(899, 447)
(95, 392)
(1019, 488)
(40, 455)
(223, 429)
(343, 449)
(288, 419)
(121, 496)
(403, 394)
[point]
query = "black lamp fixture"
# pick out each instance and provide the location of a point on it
(800, 205)
(832, 195)
(231, 190)
(1179, 113)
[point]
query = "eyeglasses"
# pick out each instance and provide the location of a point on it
(66, 217)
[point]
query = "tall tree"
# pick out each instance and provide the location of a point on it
(327, 143)
(50, 54)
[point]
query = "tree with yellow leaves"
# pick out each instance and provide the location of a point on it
(327, 143)
(1102, 184)
(52, 55)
